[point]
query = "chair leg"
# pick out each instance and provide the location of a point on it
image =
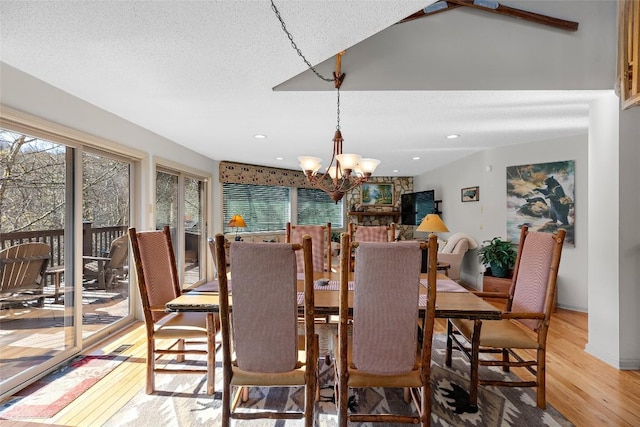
(505, 360)
(151, 358)
(226, 403)
(541, 399)
(311, 391)
(211, 354)
(425, 410)
(447, 358)
(343, 397)
(407, 395)
(180, 357)
(475, 355)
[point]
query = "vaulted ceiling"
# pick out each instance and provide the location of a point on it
(209, 75)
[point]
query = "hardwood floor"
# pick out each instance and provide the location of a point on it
(585, 390)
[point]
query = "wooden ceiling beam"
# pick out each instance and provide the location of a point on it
(422, 13)
(501, 10)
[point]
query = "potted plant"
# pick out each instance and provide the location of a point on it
(499, 255)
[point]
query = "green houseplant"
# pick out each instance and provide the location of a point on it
(498, 254)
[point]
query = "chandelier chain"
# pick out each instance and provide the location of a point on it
(338, 120)
(295, 46)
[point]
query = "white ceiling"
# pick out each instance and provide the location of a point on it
(211, 74)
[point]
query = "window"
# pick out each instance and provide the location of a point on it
(316, 207)
(263, 207)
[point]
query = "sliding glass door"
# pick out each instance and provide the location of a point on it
(180, 204)
(50, 313)
(105, 244)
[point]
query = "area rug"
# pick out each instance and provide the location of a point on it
(47, 396)
(181, 401)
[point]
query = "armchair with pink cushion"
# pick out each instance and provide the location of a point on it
(453, 252)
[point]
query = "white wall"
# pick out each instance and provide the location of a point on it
(604, 301)
(488, 217)
(629, 252)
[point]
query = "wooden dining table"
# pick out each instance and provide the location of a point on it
(452, 301)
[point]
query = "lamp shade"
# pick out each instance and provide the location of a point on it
(237, 221)
(432, 224)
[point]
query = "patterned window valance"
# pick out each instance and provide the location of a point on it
(241, 173)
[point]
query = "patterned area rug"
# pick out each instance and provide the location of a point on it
(184, 402)
(44, 398)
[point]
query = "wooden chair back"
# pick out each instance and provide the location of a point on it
(529, 303)
(382, 350)
(321, 240)
(158, 283)
(262, 327)
(372, 233)
(156, 271)
(535, 275)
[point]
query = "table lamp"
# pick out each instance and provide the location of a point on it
(237, 221)
(430, 224)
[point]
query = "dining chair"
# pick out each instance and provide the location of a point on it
(372, 233)
(260, 341)
(525, 318)
(386, 347)
(157, 278)
(321, 240)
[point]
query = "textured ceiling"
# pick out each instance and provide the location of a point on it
(211, 74)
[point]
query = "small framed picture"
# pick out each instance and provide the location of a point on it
(470, 194)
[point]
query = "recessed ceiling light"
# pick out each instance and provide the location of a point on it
(416, 158)
(396, 171)
(453, 136)
(259, 136)
(279, 158)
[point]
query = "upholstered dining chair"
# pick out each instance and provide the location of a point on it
(260, 342)
(525, 319)
(321, 240)
(157, 278)
(372, 233)
(386, 348)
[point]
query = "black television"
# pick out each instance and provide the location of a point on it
(415, 206)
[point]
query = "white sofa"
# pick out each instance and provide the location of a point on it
(453, 252)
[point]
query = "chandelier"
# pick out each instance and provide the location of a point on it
(345, 171)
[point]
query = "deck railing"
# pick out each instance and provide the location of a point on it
(95, 241)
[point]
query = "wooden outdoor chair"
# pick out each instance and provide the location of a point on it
(386, 348)
(158, 284)
(108, 269)
(22, 273)
(321, 240)
(264, 348)
(525, 319)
